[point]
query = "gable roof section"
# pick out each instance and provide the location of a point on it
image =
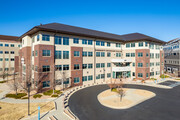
(139, 37)
(7, 37)
(73, 30)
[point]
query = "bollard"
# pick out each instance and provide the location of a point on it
(38, 112)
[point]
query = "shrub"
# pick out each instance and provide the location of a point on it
(54, 96)
(114, 90)
(49, 92)
(2, 81)
(37, 96)
(58, 92)
(164, 76)
(18, 96)
(24, 98)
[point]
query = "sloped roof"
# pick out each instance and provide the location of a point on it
(7, 37)
(73, 30)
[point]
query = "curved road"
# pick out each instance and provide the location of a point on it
(164, 106)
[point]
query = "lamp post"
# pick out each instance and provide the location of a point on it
(28, 86)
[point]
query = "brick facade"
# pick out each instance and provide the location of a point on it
(76, 60)
(161, 60)
(143, 60)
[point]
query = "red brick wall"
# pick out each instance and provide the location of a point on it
(143, 60)
(39, 61)
(161, 60)
(16, 63)
(76, 60)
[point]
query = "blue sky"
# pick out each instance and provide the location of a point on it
(157, 18)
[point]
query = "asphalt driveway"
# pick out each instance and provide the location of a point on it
(164, 106)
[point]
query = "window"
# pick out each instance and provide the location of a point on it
(46, 53)
(76, 40)
(108, 64)
(146, 44)
(127, 54)
(151, 64)
(157, 47)
(84, 78)
(1, 45)
(98, 65)
(65, 40)
(1, 59)
(98, 76)
(36, 53)
(76, 66)
(12, 45)
(151, 55)
(90, 66)
(140, 44)
(132, 44)
(12, 59)
(1, 52)
(90, 42)
(98, 43)
(46, 68)
(57, 54)
(140, 64)
(76, 53)
(140, 75)
(133, 74)
(97, 54)
(118, 54)
(58, 67)
(102, 54)
(134, 64)
(84, 41)
(127, 45)
(33, 39)
(102, 65)
(108, 54)
(6, 59)
(65, 54)
(151, 73)
(90, 77)
(12, 52)
(147, 64)
(102, 76)
(45, 37)
(6, 69)
(32, 53)
(19, 45)
(108, 44)
(90, 54)
(157, 72)
(6, 45)
(108, 75)
(157, 55)
(6, 52)
(147, 54)
(37, 37)
(140, 54)
(157, 63)
(76, 80)
(132, 54)
(151, 46)
(118, 45)
(84, 66)
(57, 40)
(147, 75)
(102, 43)
(46, 84)
(84, 54)
(65, 67)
